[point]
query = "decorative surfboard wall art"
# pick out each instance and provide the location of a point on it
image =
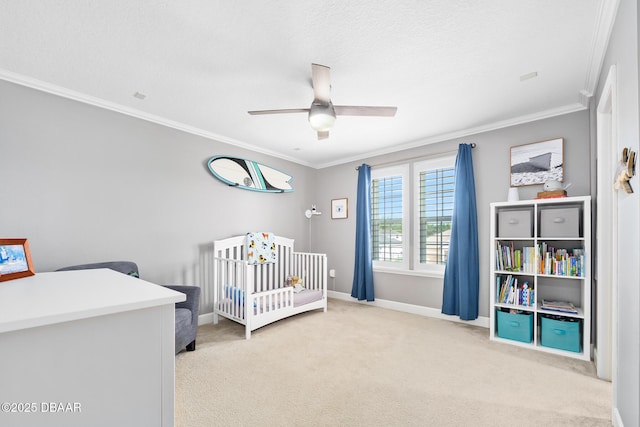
(249, 175)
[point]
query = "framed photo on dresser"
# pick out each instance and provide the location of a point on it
(15, 259)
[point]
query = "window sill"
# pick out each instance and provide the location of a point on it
(404, 272)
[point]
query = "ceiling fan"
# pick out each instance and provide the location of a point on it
(322, 112)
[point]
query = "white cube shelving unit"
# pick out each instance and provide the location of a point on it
(530, 226)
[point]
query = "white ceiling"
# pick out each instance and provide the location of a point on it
(451, 67)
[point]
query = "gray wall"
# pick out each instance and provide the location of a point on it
(491, 160)
(623, 52)
(85, 184)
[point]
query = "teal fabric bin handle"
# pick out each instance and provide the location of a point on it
(559, 331)
(514, 323)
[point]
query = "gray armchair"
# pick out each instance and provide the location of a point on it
(126, 267)
(186, 317)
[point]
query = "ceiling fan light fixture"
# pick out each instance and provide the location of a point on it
(322, 117)
(322, 113)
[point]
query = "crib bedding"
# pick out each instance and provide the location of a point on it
(261, 248)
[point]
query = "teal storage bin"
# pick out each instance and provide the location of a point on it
(560, 334)
(515, 326)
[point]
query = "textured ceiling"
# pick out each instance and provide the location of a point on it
(451, 67)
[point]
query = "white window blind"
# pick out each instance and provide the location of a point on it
(387, 219)
(434, 181)
(436, 210)
(389, 225)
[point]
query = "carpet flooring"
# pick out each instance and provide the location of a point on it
(358, 365)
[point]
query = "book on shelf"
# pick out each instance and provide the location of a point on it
(508, 258)
(561, 262)
(509, 292)
(561, 306)
(555, 194)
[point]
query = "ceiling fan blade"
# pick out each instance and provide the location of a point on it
(354, 110)
(323, 135)
(286, 111)
(321, 83)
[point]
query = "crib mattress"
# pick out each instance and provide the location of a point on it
(306, 296)
(301, 298)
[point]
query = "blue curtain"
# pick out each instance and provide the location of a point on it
(461, 276)
(363, 269)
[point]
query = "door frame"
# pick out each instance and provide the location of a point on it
(607, 231)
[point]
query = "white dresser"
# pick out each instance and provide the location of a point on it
(86, 347)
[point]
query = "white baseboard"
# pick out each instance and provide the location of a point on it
(615, 418)
(207, 318)
(409, 308)
(203, 319)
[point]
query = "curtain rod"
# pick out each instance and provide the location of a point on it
(426, 156)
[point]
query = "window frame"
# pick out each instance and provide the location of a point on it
(403, 171)
(440, 162)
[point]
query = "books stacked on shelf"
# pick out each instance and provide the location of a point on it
(510, 259)
(562, 306)
(561, 262)
(554, 194)
(509, 292)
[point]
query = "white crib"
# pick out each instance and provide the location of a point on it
(256, 295)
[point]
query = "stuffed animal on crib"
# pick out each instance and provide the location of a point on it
(294, 281)
(297, 284)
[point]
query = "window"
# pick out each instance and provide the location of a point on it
(429, 195)
(389, 217)
(433, 193)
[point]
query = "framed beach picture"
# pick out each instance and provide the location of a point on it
(339, 208)
(15, 259)
(537, 163)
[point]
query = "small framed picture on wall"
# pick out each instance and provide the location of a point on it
(339, 208)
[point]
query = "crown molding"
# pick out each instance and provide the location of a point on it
(567, 109)
(101, 103)
(584, 98)
(118, 108)
(604, 26)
